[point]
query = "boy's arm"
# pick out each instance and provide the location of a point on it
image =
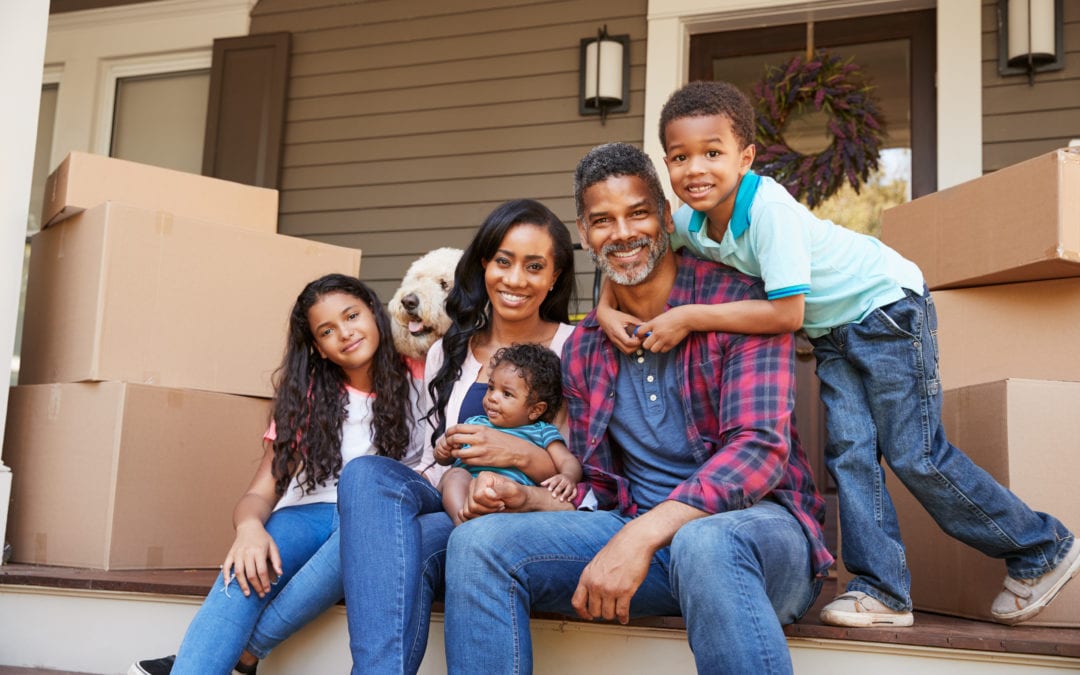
(750, 317)
(617, 325)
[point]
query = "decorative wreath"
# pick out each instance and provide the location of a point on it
(825, 83)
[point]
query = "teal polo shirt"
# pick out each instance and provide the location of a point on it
(844, 275)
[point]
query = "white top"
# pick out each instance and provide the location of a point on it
(356, 436)
(470, 370)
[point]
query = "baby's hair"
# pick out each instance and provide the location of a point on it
(703, 99)
(310, 399)
(542, 371)
(612, 160)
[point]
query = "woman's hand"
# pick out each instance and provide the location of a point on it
(491, 447)
(251, 560)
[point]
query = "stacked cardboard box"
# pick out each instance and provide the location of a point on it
(1007, 248)
(150, 337)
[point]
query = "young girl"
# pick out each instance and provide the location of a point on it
(524, 393)
(342, 391)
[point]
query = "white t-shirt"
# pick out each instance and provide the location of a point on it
(356, 436)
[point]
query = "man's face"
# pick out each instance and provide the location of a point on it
(622, 229)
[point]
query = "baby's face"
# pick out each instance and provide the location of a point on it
(507, 399)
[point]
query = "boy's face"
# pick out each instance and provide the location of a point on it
(622, 228)
(705, 161)
(507, 400)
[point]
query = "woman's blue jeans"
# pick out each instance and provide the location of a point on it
(736, 577)
(882, 396)
(228, 622)
(393, 547)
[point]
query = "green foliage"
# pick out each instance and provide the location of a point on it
(861, 210)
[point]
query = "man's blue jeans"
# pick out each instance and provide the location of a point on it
(882, 396)
(393, 546)
(228, 622)
(736, 577)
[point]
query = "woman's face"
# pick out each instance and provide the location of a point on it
(521, 273)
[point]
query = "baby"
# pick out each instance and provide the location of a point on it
(524, 395)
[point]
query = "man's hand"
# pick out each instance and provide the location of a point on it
(611, 578)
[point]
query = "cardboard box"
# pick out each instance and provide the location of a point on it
(1021, 223)
(1026, 434)
(1027, 330)
(124, 294)
(124, 476)
(84, 180)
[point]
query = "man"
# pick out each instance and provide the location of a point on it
(695, 501)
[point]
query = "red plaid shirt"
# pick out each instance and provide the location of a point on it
(738, 394)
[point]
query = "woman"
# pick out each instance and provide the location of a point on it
(512, 285)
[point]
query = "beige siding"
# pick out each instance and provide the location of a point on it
(409, 120)
(1022, 121)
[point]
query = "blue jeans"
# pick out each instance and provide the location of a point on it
(736, 577)
(882, 396)
(228, 622)
(393, 547)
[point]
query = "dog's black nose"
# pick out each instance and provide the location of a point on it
(410, 302)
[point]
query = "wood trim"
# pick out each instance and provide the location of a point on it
(246, 110)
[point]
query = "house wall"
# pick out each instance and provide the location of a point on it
(1022, 121)
(409, 121)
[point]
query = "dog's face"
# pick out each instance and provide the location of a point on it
(418, 309)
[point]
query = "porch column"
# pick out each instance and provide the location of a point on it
(23, 28)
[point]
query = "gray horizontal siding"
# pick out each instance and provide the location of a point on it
(409, 120)
(1022, 121)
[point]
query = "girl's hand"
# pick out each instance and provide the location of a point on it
(666, 331)
(619, 328)
(247, 559)
(561, 487)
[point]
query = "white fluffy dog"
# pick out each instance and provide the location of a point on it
(418, 309)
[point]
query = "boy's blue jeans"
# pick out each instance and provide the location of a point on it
(228, 622)
(736, 577)
(882, 396)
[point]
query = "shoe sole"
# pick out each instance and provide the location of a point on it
(1032, 610)
(866, 619)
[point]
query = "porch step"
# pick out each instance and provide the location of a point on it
(94, 610)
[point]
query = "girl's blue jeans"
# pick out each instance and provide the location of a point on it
(735, 577)
(882, 396)
(228, 622)
(393, 544)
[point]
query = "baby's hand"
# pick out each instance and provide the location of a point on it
(561, 487)
(444, 451)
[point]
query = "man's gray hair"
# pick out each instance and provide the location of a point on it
(612, 160)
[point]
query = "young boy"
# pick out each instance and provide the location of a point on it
(873, 326)
(524, 395)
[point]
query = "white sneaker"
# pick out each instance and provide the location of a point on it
(857, 609)
(1022, 599)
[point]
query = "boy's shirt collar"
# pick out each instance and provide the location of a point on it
(740, 215)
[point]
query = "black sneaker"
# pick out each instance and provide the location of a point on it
(162, 666)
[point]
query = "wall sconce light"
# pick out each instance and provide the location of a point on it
(1030, 37)
(605, 75)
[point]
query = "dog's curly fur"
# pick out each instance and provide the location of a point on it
(418, 309)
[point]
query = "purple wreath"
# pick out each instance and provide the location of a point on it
(839, 88)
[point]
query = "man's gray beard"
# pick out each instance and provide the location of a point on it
(657, 248)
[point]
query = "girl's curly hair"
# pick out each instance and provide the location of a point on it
(310, 399)
(542, 371)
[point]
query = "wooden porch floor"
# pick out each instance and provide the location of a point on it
(930, 630)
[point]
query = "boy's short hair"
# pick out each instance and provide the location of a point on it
(702, 99)
(612, 160)
(542, 371)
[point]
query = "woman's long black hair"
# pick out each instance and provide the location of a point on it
(310, 399)
(467, 304)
